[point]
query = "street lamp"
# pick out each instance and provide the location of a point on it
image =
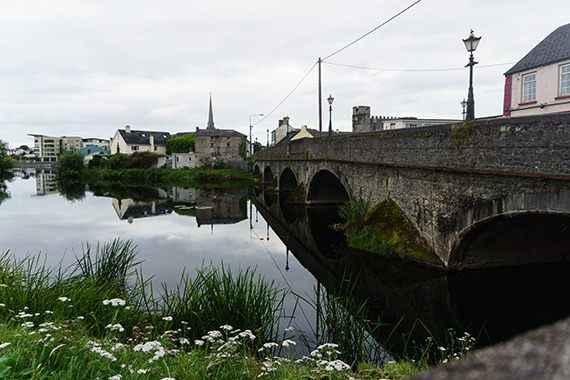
(250, 128)
(330, 100)
(471, 44)
(463, 105)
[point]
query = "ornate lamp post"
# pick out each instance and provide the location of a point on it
(463, 105)
(471, 44)
(330, 100)
(250, 128)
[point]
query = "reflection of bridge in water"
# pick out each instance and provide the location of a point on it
(502, 301)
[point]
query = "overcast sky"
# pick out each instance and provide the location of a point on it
(89, 67)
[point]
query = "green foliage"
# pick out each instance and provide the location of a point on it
(217, 297)
(116, 161)
(242, 149)
(181, 144)
(257, 147)
(141, 160)
(5, 162)
(69, 165)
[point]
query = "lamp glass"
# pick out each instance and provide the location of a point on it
(330, 99)
(471, 43)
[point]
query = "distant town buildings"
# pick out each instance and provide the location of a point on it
(363, 122)
(540, 82)
(47, 148)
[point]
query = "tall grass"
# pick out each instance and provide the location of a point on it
(216, 297)
(342, 318)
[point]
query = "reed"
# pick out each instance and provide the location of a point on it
(216, 297)
(344, 319)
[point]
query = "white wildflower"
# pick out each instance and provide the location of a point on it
(227, 327)
(288, 342)
(199, 342)
(115, 327)
(4, 345)
(64, 299)
(167, 318)
(114, 302)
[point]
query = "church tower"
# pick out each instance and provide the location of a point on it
(211, 116)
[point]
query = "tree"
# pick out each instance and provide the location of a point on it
(69, 165)
(5, 162)
(24, 147)
(181, 144)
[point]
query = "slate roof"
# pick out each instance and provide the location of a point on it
(219, 133)
(554, 48)
(143, 137)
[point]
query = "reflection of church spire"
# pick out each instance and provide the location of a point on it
(211, 116)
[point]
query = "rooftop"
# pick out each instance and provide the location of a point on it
(554, 48)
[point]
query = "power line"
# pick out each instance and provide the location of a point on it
(330, 55)
(288, 95)
(414, 70)
(370, 32)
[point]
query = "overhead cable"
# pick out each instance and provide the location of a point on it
(415, 70)
(288, 95)
(370, 32)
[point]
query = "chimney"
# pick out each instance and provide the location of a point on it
(128, 129)
(151, 139)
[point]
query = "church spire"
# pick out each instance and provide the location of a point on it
(211, 116)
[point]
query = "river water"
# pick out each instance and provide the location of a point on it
(177, 228)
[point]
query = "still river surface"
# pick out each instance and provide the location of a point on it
(179, 228)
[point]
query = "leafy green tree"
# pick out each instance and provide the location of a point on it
(5, 161)
(69, 165)
(181, 144)
(257, 147)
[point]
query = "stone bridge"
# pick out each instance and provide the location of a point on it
(495, 192)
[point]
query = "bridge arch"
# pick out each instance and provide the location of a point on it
(256, 171)
(513, 239)
(287, 180)
(326, 187)
(267, 174)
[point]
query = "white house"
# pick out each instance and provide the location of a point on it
(128, 141)
(540, 82)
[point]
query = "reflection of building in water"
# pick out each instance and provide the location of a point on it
(181, 194)
(129, 209)
(45, 182)
(215, 207)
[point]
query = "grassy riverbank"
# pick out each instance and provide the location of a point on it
(99, 319)
(159, 177)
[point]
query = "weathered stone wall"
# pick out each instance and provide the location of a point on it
(537, 145)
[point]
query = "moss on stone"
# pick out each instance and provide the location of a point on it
(387, 231)
(297, 196)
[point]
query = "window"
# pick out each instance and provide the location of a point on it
(565, 80)
(135, 148)
(529, 87)
(392, 125)
(228, 144)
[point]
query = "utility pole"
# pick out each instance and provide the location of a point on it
(320, 102)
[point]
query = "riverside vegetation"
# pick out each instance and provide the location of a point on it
(135, 170)
(99, 319)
